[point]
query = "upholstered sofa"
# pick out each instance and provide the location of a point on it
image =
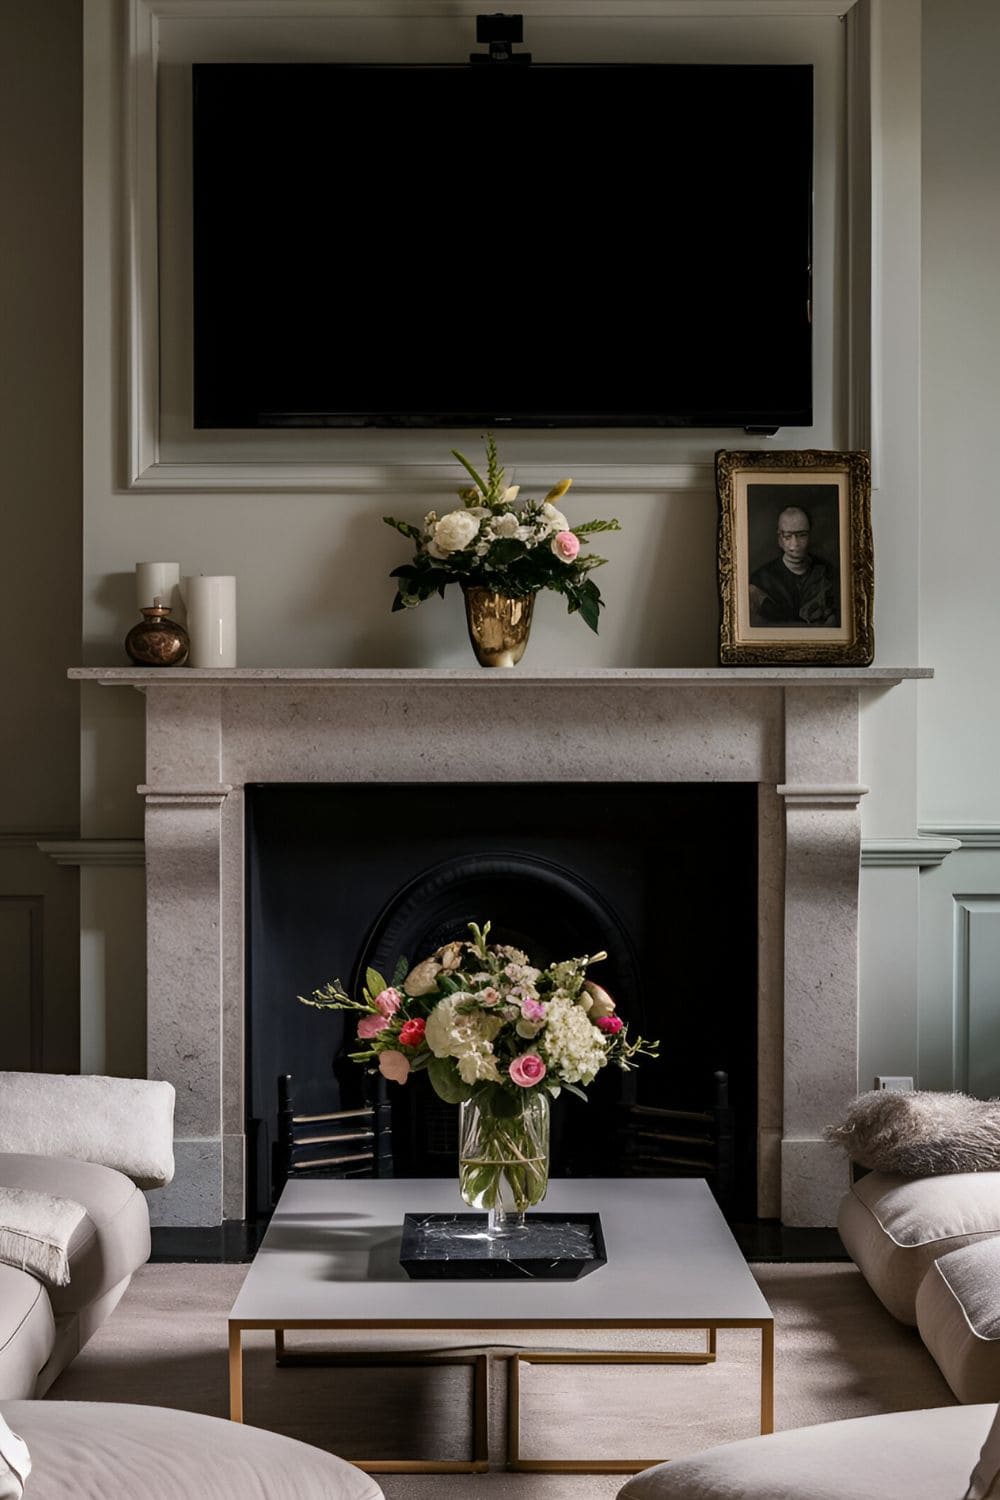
(96, 1142)
(946, 1453)
(81, 1450)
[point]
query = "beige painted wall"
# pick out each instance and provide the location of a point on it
(40, 523)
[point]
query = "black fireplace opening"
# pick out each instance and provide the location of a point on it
(661, 876)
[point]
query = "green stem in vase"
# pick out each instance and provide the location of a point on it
(503, 1161)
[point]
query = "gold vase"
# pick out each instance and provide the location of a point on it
(498, 625)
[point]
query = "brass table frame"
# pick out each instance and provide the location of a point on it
(479, 1461)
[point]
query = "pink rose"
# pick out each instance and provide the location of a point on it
(412, 1032)
(527, 1069)
(370, 1026)
(394, 1066)
(388, 1001)
(610, 1025)
(532, 1010)
(565, 546)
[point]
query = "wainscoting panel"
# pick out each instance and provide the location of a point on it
(959, 1012)
(977, 994)
(21, 972)
(39, 958)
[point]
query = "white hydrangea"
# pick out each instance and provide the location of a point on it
(466, 1036)
(572, 1047)
(506, 525)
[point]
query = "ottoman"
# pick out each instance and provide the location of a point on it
(958, 1314)
(919, 1455)
(105, 1451)
(894, 1228)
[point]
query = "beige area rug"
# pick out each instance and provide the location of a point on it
(839, 1354)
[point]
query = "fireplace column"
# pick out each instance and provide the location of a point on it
(822, 865)
(185, 797)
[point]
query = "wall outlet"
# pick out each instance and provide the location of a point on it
(895, 1085)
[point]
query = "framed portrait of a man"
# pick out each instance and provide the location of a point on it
(796, 573)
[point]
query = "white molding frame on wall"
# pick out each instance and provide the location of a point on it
(918, 853)
(96, 853)
(143, 469)
(967, 835)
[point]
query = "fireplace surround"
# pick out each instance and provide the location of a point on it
(793, 732)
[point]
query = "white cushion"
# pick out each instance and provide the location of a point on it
(89, 1450)
(910, 1455)
(958, 1314)
(125, 1123)
(896, 1227)
(15, 1463)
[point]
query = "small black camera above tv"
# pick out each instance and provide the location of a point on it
(500, 32)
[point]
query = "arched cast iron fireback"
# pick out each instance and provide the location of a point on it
(550, 913)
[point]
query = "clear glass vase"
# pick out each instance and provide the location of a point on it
(503, 1158)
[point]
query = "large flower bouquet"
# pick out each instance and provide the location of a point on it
(494, 542)
(494, 1031)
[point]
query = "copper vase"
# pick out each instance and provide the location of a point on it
(499, 625)
(157, 641)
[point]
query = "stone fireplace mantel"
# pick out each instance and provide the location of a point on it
(793, 731)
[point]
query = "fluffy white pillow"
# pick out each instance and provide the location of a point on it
(35, 1231)
(15, 1463)
(125, 1123)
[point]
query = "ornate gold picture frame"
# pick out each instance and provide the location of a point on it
(796, 567)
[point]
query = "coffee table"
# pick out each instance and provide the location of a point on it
(330, 1260)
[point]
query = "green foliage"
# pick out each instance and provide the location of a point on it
(443, 1074)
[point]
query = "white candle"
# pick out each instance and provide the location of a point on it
(211, 620)
(157, 581)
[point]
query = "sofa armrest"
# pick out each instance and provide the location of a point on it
(125, 1123)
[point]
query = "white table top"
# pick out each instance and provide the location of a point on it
(331, 1254)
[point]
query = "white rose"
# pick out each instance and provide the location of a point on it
(455, 531)
(506, 525)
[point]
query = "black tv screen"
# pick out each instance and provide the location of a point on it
(527, 246)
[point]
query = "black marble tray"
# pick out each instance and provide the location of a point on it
(456, 1247)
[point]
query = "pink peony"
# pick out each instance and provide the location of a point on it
(388, 1001)
(527, 1069)
(532, 1010)
(394, 1065)
(610, 1025)
(370, 1026)
(412, 1032)
(565, 546)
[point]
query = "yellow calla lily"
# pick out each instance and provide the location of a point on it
(558, 489)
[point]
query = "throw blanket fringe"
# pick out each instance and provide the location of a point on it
(35, 1231)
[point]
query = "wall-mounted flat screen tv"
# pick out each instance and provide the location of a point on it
(619, 245)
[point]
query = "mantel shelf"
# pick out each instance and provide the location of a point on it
(504, 681)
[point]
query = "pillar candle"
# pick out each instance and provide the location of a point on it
(211, 620)
(157, 580)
